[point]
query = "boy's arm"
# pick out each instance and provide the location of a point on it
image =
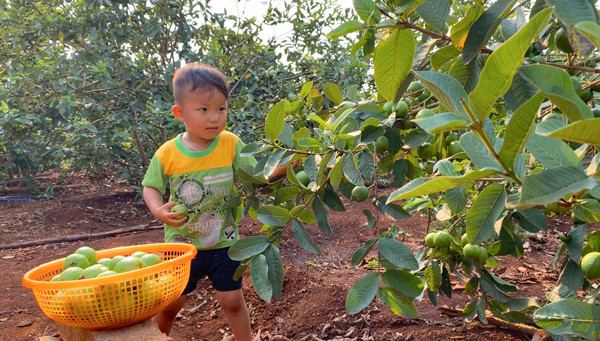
(281, 171)
(161, 211)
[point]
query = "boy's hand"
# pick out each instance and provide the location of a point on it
(164, 214)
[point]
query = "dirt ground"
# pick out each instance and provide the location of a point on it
(315, 287)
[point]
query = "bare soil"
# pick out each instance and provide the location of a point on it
(315, 287)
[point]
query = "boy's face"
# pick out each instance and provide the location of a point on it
(203, 113)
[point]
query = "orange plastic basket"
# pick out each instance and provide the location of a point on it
(118, 300)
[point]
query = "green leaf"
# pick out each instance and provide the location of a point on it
(393, 61)
(519, 93)
(391, 210)
(332, 200)
(551, 152)
(446, 89)
(336, 174)
(341, 114)
(246, 173)
(275, 120)
(571, 13)
(303, 238)
(316, 118)
(459, 31)
(433, 276)
(371, 221)
(518, 130)
(585, 131)
(493, 291)
(557, 86)
(550, 185)
(570, 316)
(362, 251)
(397, 253)
(345, 28)
(273, 258)
(484, 212)
(498, 282)
(456, 198)
(443, 56)
(350, 170)
(367, 10)
(366, 164)
(306, 89)
(248, 247)
(398, 303)
(403, 281)
(575, 242)
(434, 12)
(425, 186)
(259, 272)
(273, 162)
(531, 220)
(273, 215)
(333, 92)
(511, 26)
(478, 152)
(591, 30)
(441, 122)
(362, 293)
(521, 304)
(587, 210)
(485, 26)
(502, 64)
(321, 213)
(572, 276)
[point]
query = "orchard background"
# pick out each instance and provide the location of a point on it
(479, 116)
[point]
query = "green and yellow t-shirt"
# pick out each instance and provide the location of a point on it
(202, 181)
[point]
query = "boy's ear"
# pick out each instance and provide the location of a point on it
(177, 112)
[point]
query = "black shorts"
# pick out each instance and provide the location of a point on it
(217, 265)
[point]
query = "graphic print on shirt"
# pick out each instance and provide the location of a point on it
(204, 202)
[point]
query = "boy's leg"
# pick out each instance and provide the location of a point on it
(234, 306)
(166, 317)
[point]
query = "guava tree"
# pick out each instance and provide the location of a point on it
(482, 116)
(86, 84)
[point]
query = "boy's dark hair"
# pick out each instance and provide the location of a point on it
(198, 77)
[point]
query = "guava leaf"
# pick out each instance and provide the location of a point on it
(275, 120)
(367, 10)
(484, 27)
(496, 76)
(345, 28)
(584, 131)
(441, 122)
(551, 152)
(248, 247)
(570, 316)
(484, 212)
(556, 85)
(273, 215)
(425, 186)
(259, 272)
(303, 238)
(275, 266)
(397, 253)
(398, 303)
(550, 185)
(392, 61)
(362, 251)
(478, 152)
(403, 281)
(446, 89)
(459, 31)
(518, 130)
(434, 12)
(362, 293)
(333, 92)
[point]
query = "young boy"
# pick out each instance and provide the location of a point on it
(199, 166)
